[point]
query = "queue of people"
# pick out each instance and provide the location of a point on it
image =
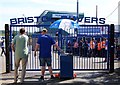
(85, 48)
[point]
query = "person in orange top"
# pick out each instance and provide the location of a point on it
(98, 48)
(103, 51)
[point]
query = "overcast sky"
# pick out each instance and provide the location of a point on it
(16, 8)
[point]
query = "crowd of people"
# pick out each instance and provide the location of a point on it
(85, 48)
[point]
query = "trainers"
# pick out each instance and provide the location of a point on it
(52, 77)
(42, 78)
(16, 79)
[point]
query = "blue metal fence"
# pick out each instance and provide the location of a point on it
(83, 57)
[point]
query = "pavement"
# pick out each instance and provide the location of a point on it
(2, 63)
(82, 78)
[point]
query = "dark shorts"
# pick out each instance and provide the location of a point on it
(44, 61)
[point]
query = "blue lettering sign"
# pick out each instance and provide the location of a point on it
(102, 20)
(48, 19)
(87, 19)
(20, 20)
(80, 19)
(13, 21)
(37, 18)
(30, 19)
(25, 20)
(94, 19)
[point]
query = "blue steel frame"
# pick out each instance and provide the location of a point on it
(83, 63)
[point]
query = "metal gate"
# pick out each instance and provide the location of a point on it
(85, 59)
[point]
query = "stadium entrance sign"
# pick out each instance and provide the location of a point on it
(47, 19)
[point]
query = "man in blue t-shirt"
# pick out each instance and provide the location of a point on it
(44, 43)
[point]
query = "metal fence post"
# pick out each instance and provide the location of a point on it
(7, 48)
(111, 48)
(60, 37)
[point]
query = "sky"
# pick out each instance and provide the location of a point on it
(19, 8)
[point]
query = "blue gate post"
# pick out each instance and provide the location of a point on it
(60, 38)
(111, 48)
(7, 48)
